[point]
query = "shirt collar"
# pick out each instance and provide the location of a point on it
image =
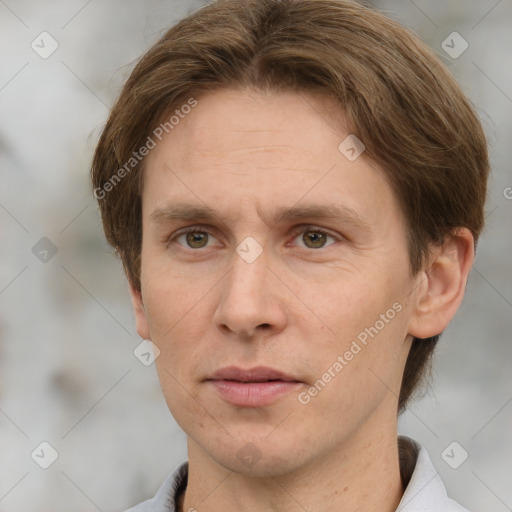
(424, 490)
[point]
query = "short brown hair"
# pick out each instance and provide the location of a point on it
(398, 98)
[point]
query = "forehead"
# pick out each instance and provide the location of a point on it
(227, 122)
(242, 150)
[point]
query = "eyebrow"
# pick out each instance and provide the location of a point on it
(192, 212)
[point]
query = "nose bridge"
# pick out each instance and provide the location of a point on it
(247, 300)
(247, 279)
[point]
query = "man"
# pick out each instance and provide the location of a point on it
(295, 189)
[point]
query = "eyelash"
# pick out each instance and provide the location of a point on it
(296, 232)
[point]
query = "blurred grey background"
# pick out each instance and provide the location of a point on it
(68, 375)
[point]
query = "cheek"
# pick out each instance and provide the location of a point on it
(354, 379)
(169, 316)
(344, 304)
(169, 297)
(361, 335)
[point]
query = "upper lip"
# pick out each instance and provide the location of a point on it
(255, 374)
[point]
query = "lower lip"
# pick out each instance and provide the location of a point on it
(253, 394)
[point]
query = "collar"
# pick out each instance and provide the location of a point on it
(424, 489)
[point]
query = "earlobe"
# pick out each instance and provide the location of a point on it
(441, 284)
(139, 312)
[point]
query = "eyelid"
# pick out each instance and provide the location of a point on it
(304, 228)
(317, 229)
(189, 229)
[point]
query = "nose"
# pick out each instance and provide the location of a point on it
(250, 302)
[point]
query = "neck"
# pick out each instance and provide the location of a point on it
(362, 475)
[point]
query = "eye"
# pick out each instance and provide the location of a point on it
(193, 238)
(313, 238)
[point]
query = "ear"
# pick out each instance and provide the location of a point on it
(441, 284)
(140, 313)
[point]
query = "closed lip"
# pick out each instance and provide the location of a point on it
(255, 374)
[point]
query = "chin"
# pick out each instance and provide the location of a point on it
(265, 464)
(255, 456)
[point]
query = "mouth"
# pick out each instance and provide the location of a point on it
(256, 374)
(253, 387)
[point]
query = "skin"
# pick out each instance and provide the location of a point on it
(296, 308)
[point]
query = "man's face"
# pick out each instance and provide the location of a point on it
(268, 280)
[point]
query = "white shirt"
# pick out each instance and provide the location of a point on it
(425, 491)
